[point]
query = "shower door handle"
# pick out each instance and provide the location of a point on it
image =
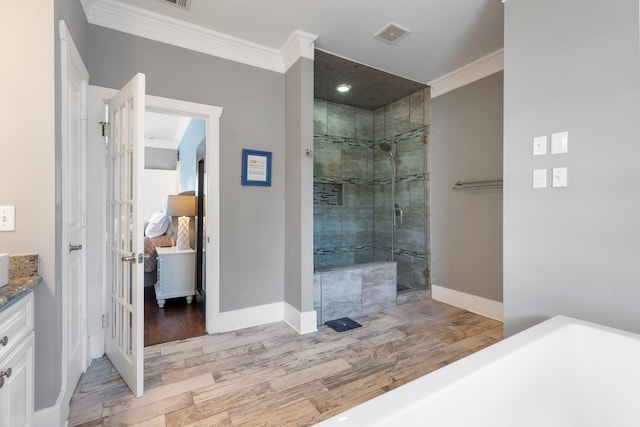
(397, 213)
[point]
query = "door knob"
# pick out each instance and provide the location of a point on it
(130, 258)
(74, 247)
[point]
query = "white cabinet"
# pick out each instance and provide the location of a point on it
(176, 274)
(17, 363)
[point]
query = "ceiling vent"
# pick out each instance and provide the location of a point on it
(391, 33)
(182, 4)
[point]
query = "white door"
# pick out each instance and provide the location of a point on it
(74, 93)
(125, 280)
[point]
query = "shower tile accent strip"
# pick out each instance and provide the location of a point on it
(329, 194)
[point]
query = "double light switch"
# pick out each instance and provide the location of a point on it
(559, 145)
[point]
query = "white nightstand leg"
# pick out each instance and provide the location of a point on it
(161, 303)
(189, 299)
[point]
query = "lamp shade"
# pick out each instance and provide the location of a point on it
(181, 206)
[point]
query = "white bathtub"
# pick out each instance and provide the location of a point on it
(563, 372)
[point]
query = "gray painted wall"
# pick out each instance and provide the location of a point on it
(298, 216)
(252, 224)
(292, 219)
(572, 251)
(466, 229)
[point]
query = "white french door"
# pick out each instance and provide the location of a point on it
(125, 253)
(74, 79)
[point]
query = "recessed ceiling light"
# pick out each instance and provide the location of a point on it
(343, 88)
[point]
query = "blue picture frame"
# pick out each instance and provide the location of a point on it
(256, 168)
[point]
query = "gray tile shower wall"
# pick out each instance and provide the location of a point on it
(343, 194)
(354, 290)
(352, 191)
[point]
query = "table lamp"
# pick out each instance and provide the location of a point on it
(183, 207)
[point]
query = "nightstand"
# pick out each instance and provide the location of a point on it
(176, 274)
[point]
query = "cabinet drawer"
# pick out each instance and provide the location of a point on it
(15, 323)
(17, 391)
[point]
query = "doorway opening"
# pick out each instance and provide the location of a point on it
(175, 148)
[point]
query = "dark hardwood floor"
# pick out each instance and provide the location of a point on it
(176, 321)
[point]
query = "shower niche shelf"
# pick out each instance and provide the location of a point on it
(328, 194)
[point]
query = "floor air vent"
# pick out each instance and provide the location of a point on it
(343, 324)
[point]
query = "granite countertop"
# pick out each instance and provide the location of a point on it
(23, 276)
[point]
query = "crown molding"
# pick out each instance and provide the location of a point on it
(476, 70)
(298, 45)
(143, 23)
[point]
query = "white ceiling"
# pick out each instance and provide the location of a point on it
(164, 130)
(445, 34)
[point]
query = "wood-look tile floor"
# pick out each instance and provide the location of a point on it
(271, 376)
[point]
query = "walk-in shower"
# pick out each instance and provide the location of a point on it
(370, 187)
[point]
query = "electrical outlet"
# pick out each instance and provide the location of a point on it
(7, 218)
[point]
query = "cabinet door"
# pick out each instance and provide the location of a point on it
(16, 394)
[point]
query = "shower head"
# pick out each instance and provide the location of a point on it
(385, 146)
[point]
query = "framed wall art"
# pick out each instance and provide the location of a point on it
(256, 167)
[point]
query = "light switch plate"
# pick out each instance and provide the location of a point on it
(540, 145)
(7, 218)
(559, 177)
(539, 178)
(560, 143)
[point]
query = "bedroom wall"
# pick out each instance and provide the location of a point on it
(573, 250)
(160, 158)
(193, 137)
(252, 225)
(158, 184)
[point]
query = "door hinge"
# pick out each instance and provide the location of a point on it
(105, 129)
(83, 112)
(83, 326)
(104, 321)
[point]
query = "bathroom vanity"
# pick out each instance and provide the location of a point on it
(16, 363)
(17, 345)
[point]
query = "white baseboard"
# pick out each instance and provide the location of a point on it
(44, 417)
(96, 346)
(302, 323)
(249, 317)
(475, 304)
